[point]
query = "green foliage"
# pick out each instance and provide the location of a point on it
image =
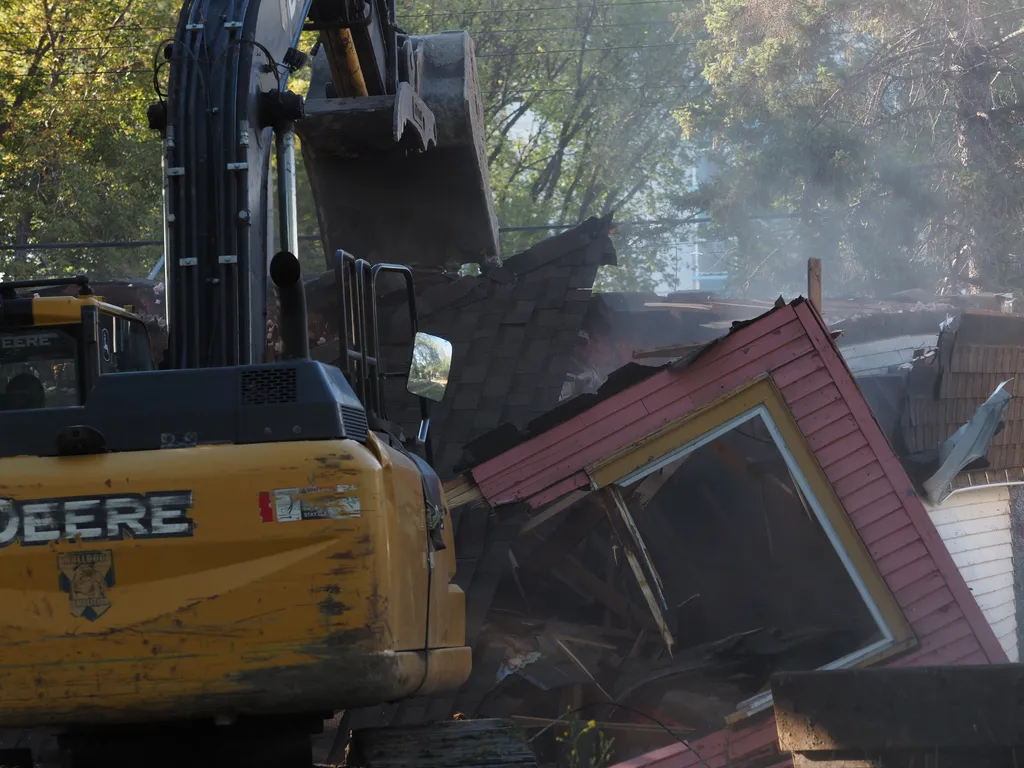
(577, 100)
(585, 746)
(77, 162)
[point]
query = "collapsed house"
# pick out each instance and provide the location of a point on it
(702, 525)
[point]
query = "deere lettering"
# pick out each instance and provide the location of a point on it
(96, 518)
(27, 340)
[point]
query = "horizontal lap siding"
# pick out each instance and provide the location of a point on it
(975, 527)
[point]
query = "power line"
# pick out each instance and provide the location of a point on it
(147, 43)
(99, 47)
(87, 30)
(544, 8)
(580, 50)
(79, 73)
(90, 244)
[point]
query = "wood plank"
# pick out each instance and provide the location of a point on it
(767, 347)
(1005, 627)
(929, 604)
(975, 657)
(990, 584)
(1000, 612)
(829, 453)
(867, 494)
(893, 541)
(986, 555)
(944, 516)
(461, 490)
(801, 377)
(974, 526)
(814, 401)
(945, 655)
(901, 557)
(937, 640)
(927, 584)
(911, 572)
(976, 541)
(550, 511)
(887, 526)
(842, 428)
(551, 493)
(991, 600)
(814, 283)
(859, 478)
(714, 382)
(823, 417)
(446, 744)
(933, 622)
(850, 463)
(876, 510)
(549, 457)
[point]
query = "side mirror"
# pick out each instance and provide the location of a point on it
(431, 364)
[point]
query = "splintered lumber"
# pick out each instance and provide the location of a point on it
(461, 490)
(485, 743)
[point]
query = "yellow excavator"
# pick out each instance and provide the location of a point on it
(203, 559)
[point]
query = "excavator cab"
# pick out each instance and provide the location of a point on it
(54, 347)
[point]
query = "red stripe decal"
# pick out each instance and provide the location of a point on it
(266, 511)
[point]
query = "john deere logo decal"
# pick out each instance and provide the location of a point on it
(86, 577)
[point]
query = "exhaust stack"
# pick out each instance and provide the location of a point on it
(286, 274)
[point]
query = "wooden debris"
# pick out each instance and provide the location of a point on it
(462, 490)
(487, 743)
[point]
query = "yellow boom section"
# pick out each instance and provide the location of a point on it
(60, 310)
(220, 580)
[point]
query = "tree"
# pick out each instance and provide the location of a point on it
(77, 161)
(884, 138)
(577, 96)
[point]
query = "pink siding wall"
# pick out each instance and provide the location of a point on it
(793, 345)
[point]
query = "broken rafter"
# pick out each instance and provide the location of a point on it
(631, 543)
(583, 582)
(462, 490)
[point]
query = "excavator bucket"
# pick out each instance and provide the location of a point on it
(393, 182)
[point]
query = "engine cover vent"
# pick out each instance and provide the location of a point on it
(355, 423)
(274, 386)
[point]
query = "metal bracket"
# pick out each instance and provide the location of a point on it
(195, 27)
(238, 166)
(188, 261)
(228, 258)
(232, 25)
(178, 171)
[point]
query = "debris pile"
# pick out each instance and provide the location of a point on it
(660, 608)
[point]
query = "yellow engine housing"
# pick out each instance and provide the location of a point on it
(249, 614)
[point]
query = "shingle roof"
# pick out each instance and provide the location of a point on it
(513, 332)
(976, 352)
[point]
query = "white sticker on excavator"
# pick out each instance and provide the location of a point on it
(319, 503)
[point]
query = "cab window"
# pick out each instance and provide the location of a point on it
(38, 369)
(124, 345)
